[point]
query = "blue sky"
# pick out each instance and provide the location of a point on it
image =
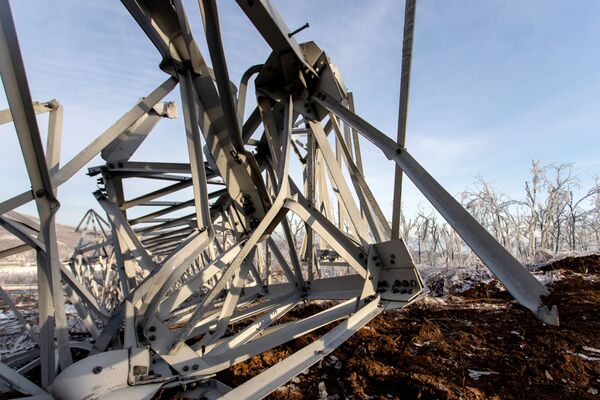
(495, 83)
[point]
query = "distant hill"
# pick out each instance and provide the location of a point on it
(67, 240)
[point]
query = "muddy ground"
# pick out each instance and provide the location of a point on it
(478, 344)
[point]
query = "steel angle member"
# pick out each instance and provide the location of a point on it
(272, 217)
(272, 27)
(329, 233)
(267, 381)
(345, 195)
(123, 147)
(39, 108)
(178, 296)
(337, 288)
(369, 206)
(210, 389)
(170, 272)
(276, 335)
(18, 381)
(52, 318)
(520, 283)
(254, 329)
(209, 322)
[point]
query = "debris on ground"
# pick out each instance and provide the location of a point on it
(474, 344)
(461, 341)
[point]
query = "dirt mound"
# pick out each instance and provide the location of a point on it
(485, 290)
(482, 345)
(583, 265)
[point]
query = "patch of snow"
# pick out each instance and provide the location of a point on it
(441, 281)
(70, 309)
(322, 391)
(421, 344)
(478, 374)
(548, 277)
(441, 301)
(591, 349)
(518, 334)
(586, 358)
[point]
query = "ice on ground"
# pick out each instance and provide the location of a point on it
(517, 334)
(585, 357)
(70, 309)
(547, 278)
(591, 349)
(322, 391)
(441, 281)
(478, 374)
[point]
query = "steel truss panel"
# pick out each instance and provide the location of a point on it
(172, 295)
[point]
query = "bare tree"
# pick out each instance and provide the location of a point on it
(553, 217)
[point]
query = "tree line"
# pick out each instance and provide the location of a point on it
(554, 215)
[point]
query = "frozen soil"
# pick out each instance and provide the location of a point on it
(477, 344)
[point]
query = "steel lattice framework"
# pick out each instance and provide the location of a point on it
(160, 292)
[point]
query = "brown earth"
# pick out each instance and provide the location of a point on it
(584, 265)
(479, 345)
